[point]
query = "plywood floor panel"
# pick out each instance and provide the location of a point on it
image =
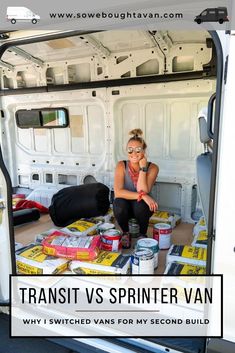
(25, 233)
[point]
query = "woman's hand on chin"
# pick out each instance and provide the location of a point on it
(143, 162)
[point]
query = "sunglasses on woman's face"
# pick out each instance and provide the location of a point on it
(130, 150)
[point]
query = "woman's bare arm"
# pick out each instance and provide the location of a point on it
(147, 179)
(119, 190)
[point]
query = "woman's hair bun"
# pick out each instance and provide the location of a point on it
(136, 132)
(136, 135)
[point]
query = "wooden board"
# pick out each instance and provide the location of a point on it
(25, 233)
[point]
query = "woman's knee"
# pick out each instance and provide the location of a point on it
(120, 207)
(141, 209)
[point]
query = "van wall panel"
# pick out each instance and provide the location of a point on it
(40, 140)
(168, 196)
(61, 140)
(179, 130)
(77, 133)
(96, 129)
(24, 138)
(130, 119)
(154, 129)
(98, 132)
(77, 128)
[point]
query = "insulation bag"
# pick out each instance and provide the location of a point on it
(82, 201)
(71, 247)
(180, 268)
(201, 239)
(106, 263)
(200, 225)
(81, 227)
(165, 217)
(31, 260)
(187, 254)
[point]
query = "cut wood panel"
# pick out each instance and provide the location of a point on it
(25, 233)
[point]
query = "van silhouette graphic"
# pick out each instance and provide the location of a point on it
(23, 14)
(216, 14)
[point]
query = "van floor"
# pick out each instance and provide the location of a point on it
(182, 235)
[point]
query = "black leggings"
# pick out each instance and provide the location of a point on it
(125, 209)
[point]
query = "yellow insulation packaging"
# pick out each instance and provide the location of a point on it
(106, 262)
(180, 268)
(30, 260)
(200, 240)
(187, 254)
(81, 227)
(165, 217)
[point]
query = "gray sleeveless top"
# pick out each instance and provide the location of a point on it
(128, 183)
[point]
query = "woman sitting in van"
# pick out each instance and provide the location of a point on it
(133, 182)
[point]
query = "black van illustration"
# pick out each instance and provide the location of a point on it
(216, 14)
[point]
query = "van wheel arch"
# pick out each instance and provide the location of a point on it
(221, 21)
(13, 21)
(199, 21)
(34, 21)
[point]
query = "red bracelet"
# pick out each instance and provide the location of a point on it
(141, 194)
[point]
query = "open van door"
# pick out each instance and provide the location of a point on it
(224, 245)
(6, 238)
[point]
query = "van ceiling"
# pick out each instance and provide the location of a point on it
(108, 55)
(109, 42)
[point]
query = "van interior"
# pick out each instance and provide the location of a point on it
(94, 88)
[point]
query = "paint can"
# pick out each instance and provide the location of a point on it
(134, 228)
(103, 227)
(142, 262)
(126, 240)
(111, 240)
(151, 244)
(162, 233)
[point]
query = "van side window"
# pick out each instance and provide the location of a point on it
(204, 13)
(42, 118)
(212, 12)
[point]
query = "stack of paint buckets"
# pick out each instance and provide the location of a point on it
(145, 258)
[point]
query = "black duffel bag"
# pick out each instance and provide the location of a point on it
(83, 201)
